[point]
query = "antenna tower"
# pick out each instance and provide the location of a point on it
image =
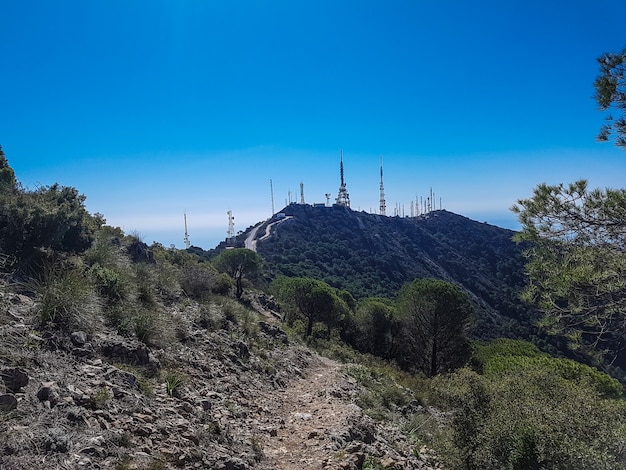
(231, 226)
(383, 205)
(272, 193)
(301, 192)
(327, 199)
(343, 198)
(187, 243)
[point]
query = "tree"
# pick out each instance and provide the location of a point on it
(8, 182)
(435, 316)
(611, 94)
(378, 327)
(239, 263)
(577, 262)
(36, 224)
(315, 300)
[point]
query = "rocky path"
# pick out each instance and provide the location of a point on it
(312, 416)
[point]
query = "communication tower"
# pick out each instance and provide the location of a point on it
(343, 198)
(301, 192)
(231, 226)
(272, 193)
(327, 199)
(383, 205)
(187, 243)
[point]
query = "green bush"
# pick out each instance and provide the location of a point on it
(530, 419)
(66, 299)
(604, 385)
(149, 327)
(482, 351)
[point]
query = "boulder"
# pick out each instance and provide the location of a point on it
(14, 378)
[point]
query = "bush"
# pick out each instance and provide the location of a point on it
(482, 352)
(604, 385)
(66, 299)
(530, 419)
(197, 282)
(150, 327)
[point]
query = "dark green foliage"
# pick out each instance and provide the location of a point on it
(238, 263)
(577, 263)
(36, 224)
(8, 183)
(435, 317)
(377, 328)
(314, 300)
(530, 418)
(374, 256)
(611, 95)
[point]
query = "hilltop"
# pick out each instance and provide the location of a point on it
(374, 256)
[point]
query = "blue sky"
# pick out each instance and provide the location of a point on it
(156, 108)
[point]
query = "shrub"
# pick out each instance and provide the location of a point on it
(149, 327)
(66, 299)
(222, 284)
(174, 381)
(482, 352)
(196, 281)
(530, 419)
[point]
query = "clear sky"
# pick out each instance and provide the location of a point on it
(156, 108)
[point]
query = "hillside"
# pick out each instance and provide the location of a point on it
(371, 255)
(232, 392)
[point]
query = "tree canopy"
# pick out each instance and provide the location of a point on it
(577, 261)
(435, 316)
(239, 263)
(611, 96)
(314, 300)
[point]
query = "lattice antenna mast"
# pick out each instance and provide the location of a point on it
(343, 198)
(383, 205)
(231, 225)
(301, 192)
(272, 193)
(187, 242)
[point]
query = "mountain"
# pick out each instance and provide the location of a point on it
(372, 255)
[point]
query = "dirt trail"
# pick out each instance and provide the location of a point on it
(313, 411)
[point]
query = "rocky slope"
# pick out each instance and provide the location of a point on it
(231, 391)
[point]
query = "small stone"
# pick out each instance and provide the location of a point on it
(312, 435)
(7, 402)
(48, 393)
(388, 462)
(273, 432)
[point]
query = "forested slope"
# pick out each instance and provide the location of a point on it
(371, 255)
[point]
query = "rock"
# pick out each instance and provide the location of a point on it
(14, 378)
(78, 338)
(274, 332)
(242, 350)
(8, 402)
(388, 463)
(49, 392)
(130, 352)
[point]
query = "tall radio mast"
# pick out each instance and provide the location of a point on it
(301, 192)
(187, 243)
(383, 205)
(231, 226)
(343, 199)
(272, 193)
